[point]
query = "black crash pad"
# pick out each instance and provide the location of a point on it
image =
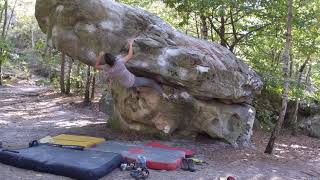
(72, 163)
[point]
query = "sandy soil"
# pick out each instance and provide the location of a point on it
(29, 112)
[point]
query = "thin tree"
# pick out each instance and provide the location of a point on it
(78, 81)
(308, 78)
(286, 62)
(62, 73)
(32, 38)
(68, 80)
(11, 15)
(93, 87)
(204, 27)
(3, 34)
(197, 25)
(1, 15)
(298, 97)
(87, 89)
(5, 19)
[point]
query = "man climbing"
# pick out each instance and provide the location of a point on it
(115, 69)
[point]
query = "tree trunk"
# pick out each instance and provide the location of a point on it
(11, 15)
(222, 32)
(78, 76)
(212, 34)
(197, 25)
(308, 78)
(68, 84)
(5, 19)
(286, 60)
(291, 72)
(296, 73)
(62, 73)
(0, 73)
(47, 58)
(93, 88)
(1, 15)
(32, 38)
(46, 50)
(87, 90)
(298, 97)
(3, 35)
(204, 27)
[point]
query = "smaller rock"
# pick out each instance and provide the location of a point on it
(106, 104)
(311, 126)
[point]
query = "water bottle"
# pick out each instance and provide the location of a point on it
(141, 162)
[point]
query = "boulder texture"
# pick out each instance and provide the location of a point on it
(309, 118)
(211, 88)
(311, 126)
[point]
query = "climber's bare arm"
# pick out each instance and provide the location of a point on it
(98, 60)
(130, 53)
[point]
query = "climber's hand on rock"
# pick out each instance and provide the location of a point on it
(102, 53)
(130, 41)
(98, 60)
(98, 67)
(130, 52)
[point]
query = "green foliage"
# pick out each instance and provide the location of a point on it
(159, 8)
(266, 119)
(140, 3)
(75, 78)
(5, 51)
(40, 45)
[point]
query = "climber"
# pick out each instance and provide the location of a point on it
(117, 71)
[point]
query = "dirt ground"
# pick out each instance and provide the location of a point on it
(29, 112)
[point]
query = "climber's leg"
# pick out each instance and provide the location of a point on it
(142, 81)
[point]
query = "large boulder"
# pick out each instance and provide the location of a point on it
(211, 86)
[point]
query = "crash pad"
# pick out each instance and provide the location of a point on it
(157, 158)
(157, 144)
(86, 165)
(75, 140)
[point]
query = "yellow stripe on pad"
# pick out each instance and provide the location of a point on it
(75, 140)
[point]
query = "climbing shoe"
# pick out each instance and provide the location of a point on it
(184, 164)
(191, 165)
(128, 166)
(140, 173)
(187, 165)
(34, 143)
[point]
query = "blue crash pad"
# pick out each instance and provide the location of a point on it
(86, 165)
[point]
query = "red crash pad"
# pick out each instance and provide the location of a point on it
(164, 146)
(157, 158)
